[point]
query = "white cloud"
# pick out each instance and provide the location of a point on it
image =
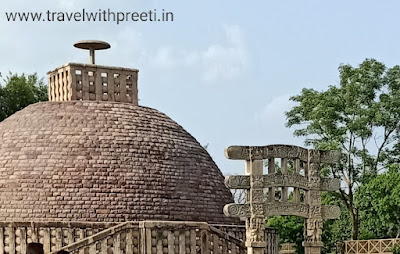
(220, 61)
(67, 4)
(276, 108)
(164, 59)
(226, 60)
(272, 119)
(128, 49)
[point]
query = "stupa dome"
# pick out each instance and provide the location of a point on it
(105, 161)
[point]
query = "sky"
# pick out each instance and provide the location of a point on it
(224, 70)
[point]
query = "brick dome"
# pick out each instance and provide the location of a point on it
(105, 161)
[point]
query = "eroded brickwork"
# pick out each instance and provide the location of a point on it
(105, 161)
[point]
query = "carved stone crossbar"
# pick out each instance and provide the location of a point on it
(305, 181)
(278, 208)
(279, 180)
(281, 151)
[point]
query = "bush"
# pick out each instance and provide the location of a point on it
(396, 249)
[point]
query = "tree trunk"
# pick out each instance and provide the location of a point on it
(355, 223)
(354, 214)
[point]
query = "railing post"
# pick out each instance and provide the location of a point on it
(142, 237)
(205, 242)
(46, 240)
(1, 240)
(11, 239)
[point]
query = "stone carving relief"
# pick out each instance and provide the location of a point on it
(256, 229)
(257, 182)
(315, 211)
(330, 184)
(286, 208)
(281, 151)
(257, 209)
(279, 180)
(267, 181)
(257, 196)
(237, 210)
(315, 197)
(283, 208)
(266, 152)
(313, 230)
(237, 182)
(330, 212)
(330, 157)
(314, 177)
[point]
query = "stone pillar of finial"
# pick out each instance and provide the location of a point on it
(92, 57)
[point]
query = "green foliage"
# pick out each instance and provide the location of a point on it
(379, 204)
(19, 91)
(363, 110)
(335, 230)
(290, 230)
(396, 249)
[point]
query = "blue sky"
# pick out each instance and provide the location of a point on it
(224, 70)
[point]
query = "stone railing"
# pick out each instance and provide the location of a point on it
(381, 246)
(156, 237)
(93, 82)
(239, 232)
(15, 236)
(123, 238)
(129, 237)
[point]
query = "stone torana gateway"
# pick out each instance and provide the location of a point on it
(91, 171)
(304, 179)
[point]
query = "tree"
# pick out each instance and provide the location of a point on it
(290, 229)
(19, 91)
(239, 196)
(379, 204)
(358, 117)
(335, 230)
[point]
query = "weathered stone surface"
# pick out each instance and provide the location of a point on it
(330, 184)
(105, 161)
(281, 151)
(279, 208)
(279, 180)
